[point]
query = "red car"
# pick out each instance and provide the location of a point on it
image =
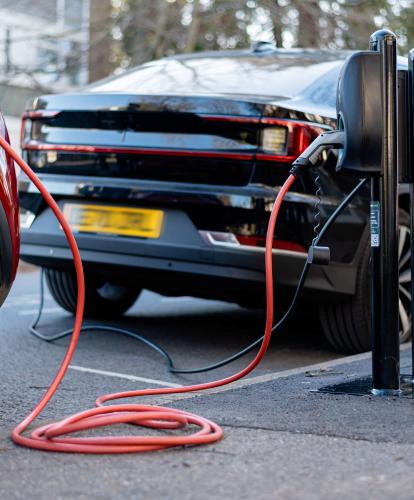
(9, 219)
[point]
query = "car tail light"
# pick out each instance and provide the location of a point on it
(284, 140)
(274, 140)
(29, 121)
(280, 140)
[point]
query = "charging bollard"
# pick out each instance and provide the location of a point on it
(384, 239)
(367, 115)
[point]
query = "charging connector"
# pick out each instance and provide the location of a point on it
(334, 139)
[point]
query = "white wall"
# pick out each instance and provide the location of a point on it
(41, 45)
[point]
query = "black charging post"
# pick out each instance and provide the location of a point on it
(375, 138)
(384, 239)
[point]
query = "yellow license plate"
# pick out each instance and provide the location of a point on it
(124, 221)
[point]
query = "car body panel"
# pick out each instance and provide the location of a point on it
(198, 156)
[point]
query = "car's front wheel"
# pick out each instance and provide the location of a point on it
(104, 299)
(347, 326)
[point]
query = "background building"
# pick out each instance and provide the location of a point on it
(44, 46)
(47, 40)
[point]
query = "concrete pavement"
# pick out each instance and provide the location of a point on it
(281, 439)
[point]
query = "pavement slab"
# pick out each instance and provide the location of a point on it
(282, 440)
(290, 404)
(249, 463)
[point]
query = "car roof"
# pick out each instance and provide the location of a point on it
(268, 50)
(267, 73)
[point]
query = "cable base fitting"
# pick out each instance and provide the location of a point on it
(319, 255)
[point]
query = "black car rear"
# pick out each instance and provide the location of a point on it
(168, 174)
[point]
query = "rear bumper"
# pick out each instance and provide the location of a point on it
(181, 261)
(189, 269)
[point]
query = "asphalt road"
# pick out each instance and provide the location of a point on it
(195, 332)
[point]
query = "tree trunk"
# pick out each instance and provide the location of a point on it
(100, 40)
(158, 44)
(275, 13)
(308, 31)
(277, 31)
(194, 28)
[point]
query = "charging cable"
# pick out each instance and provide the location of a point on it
(156, 347)
(58, 436)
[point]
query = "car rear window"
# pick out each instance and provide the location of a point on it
(267, 76)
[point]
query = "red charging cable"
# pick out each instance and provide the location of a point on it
(56, 436)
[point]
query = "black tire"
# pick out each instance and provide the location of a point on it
(103, 299)
(347, 326)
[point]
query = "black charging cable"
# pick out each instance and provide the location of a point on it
(170, 364)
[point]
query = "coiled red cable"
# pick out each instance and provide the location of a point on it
(57, 436)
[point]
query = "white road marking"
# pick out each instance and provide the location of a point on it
(25, 300)
(134, 378)
(46, 310)
(21, 302)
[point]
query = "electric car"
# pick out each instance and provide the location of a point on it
(168, 172)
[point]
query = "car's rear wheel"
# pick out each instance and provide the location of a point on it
(347, 326)
(104, 299)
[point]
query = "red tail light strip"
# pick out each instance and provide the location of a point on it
(275, 158)
(35, 146)
(300, 135)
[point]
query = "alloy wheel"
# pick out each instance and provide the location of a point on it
(404, 257)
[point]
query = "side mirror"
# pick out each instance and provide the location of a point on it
(359, 109)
